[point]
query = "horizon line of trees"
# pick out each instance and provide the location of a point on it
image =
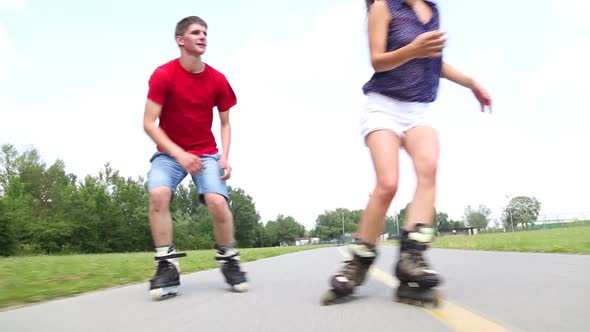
(44, 209)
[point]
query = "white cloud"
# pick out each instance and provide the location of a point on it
(7, 52)
(531, 145)
(295, 142)
(563, 75)
(517, 154)
(569, 21)
(86, 131)
(308, 157)
(486, 62)
(12, 4)
(296, 146)
(574, 9)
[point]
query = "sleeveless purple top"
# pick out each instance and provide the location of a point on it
(416, 80)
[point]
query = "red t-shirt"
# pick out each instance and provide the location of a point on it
(187, 101)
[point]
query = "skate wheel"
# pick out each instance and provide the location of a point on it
(402, 299)
(436, 301)
(434, 304)
(241, 288)
(159, 294)
(430, 304)
(328, 298)
(156, 294)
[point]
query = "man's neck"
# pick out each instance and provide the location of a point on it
(192, 63)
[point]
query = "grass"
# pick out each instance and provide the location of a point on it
(40, 278)
(573, 240)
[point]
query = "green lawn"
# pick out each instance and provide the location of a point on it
(39, 278)
(574, 240)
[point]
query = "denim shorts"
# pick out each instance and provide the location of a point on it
(166, 171)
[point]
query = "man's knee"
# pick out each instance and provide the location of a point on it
(160, 198)
(216, 203)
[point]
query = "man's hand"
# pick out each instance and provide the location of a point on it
(225, 165)
(191, 163)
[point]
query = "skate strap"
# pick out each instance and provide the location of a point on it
(170, 256)
(362, 251)
(226, 258)
(425, 235)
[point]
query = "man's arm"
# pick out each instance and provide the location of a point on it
(225, 133)
(151, 114)
(188, 161)
(225, 143)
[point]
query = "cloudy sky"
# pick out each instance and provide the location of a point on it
(73, 83)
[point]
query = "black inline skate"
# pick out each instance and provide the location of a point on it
(229, 259)
(165, 282)
(352, 275)
(417, 279)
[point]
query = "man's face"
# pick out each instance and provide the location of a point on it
(194, 40)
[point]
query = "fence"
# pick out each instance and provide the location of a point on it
(546, 221)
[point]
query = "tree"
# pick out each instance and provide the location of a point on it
(245, 217)
(331, 224)
(54, 229)
(21, 189)
(7, 237)
(193, 225)
(478, 218)
(129, 203)
(521, 210)
(456, 224)
(442, 220)
(284, 230)
(262, 238)
(391, 226)
(46, 210)
(8, 156)
(401, 216)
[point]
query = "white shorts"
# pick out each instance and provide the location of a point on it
(386, 113)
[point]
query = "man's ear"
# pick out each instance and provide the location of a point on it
(180, 40)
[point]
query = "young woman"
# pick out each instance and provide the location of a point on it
(406, 53)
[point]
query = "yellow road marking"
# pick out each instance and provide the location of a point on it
(454, 316)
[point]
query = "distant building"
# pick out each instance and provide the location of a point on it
(305, 241)
(458, 231)
(353, 237)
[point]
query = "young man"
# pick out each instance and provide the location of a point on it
(182, 95)
(406, 53)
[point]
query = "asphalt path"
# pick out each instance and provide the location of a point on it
(481, 291)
